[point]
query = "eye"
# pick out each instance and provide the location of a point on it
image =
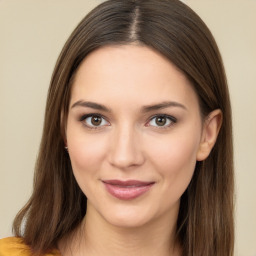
(162, 121)
(94, 121)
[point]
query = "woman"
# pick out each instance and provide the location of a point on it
(136, 153)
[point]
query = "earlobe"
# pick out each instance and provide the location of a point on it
(210, 133)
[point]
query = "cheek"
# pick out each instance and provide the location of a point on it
(86, 155)
(175, 160)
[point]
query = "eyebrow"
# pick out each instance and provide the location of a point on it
(90, 104)
(163, 105)
(145, 109)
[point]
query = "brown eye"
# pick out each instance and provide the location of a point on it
(96, 120)
(161, 120)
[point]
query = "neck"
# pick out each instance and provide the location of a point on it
(97, 237)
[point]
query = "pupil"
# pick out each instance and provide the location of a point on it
(96, 120)
(161, 121)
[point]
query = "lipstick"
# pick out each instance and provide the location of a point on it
(127, 190)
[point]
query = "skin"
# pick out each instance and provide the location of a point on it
(128, 144)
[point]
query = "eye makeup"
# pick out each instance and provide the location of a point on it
(98, 121)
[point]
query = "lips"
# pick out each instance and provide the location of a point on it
(127, 190)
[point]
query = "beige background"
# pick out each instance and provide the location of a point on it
(32, 33)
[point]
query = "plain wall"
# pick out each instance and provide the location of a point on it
(32, 33)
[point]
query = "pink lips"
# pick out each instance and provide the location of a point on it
(127, 190)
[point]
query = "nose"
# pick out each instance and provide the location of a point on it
(126, 148)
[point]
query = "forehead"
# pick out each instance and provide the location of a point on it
(130, 72)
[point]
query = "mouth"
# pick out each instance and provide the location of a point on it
(127, 190)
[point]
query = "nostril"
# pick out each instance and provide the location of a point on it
(126, 157)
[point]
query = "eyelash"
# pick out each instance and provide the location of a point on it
(84, 117)
(172, 120)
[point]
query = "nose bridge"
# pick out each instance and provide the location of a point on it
(126, 149)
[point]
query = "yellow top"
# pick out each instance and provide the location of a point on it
(15, 246)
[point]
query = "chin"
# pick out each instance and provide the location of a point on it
(129, 216)
(127, 220)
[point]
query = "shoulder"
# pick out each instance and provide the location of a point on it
(15, 246)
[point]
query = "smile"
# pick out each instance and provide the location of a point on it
(127, 190)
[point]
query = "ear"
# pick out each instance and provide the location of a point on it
(210, 133)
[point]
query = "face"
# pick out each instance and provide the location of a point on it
(133, 134)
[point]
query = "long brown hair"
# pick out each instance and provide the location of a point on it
(57, 205)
